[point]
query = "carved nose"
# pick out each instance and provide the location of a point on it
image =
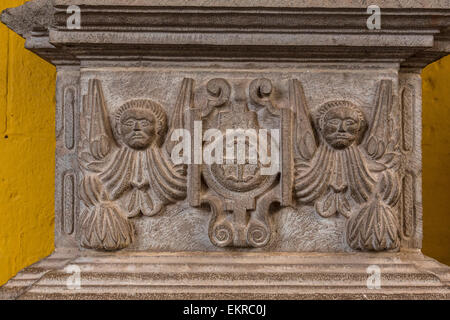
(341, 127)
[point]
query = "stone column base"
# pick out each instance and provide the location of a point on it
(142, 275)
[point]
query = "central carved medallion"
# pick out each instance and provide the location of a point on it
(239, 191)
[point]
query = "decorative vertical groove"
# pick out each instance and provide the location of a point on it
(59, 113)
(69, 116)
(408, 210)
(68, 205)
(407, 98)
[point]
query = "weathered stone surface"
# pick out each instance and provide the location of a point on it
(188, 276)
(342, 104)
(33, 16)
(432, 4)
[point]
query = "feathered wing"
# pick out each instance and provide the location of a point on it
(310, 161)
(97, 142)
(305, 139)
(376, 226)
(382, 137)
(103, 224)
(97, 145)
(101, 138)
(184, 101)
(382, 145)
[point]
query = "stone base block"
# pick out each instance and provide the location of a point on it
(142, 275)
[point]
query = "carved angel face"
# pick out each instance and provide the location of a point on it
(137, 128)
(341, 127)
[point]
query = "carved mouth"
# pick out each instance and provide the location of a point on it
(137, 136)
(342, 136)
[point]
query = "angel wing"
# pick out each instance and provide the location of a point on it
(101, 138)
(382, 138)
(305, 139)
(184, 101)
(375, 227)
(169, 180)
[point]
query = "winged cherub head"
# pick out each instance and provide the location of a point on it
(341, 124)
(141, 123)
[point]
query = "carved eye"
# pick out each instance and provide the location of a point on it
(334, 122)
(145, 123)
(129, 123)
(350, 122)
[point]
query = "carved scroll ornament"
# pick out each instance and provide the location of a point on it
(239, 194)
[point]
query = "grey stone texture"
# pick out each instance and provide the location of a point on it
(202, 275)
(346, 101)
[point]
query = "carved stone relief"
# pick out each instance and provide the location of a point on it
(340, 161)
(239, 194)
(351, 173)
(128, 176)
(336, 105)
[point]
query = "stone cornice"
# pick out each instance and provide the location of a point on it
(433, 4)
(413, 33)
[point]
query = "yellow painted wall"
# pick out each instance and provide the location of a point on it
(27, 148)
(27, 143)
(436, 160)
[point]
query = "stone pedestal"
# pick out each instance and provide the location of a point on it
(248, 149)
(218, 275)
